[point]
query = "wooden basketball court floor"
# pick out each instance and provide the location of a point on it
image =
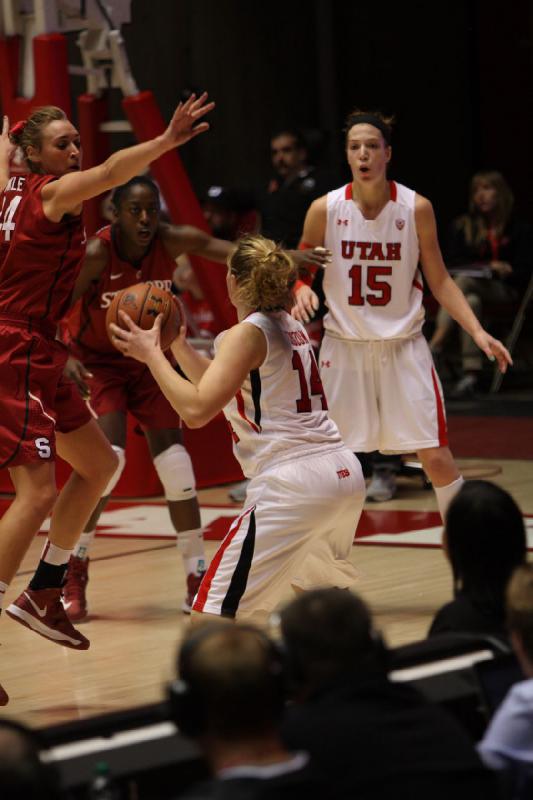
(137, 586)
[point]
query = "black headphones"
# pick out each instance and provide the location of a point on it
(187, 706)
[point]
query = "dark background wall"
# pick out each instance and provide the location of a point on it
(457, 75)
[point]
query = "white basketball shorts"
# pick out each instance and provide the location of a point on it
(298, 529)
(384, 395)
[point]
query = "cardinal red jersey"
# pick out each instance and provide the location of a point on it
(40, 258)
(156, 267)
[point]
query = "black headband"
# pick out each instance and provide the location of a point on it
(370, 119)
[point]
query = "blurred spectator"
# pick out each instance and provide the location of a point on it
(200, 319)
(291, 190)
(484, 540)
(23, 774)
(507, 745)
(230, 212)
(371, 737)
(489, 250)
(230, 699)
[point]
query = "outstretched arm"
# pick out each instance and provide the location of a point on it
(180, 239)
(66, 194)
(243, 348)
(6, 151)
(95, 260)
(446, 291)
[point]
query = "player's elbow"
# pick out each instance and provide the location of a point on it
(195, 417)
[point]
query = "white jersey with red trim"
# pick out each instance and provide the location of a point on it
(281, 410)
(373, 286)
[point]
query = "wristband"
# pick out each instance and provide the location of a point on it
(312, 269)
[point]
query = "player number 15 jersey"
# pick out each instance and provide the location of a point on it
(373, 286)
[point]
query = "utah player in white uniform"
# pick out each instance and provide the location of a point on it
(382, 388)
(306, 490)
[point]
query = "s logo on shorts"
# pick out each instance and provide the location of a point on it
(43, 446)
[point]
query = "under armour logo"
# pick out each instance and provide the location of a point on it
(342, 222)
(325, 363)
(400, 224)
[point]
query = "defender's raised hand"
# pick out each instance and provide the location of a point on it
(184, 124)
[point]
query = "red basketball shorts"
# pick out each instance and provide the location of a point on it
(123, 384)
(35, 400)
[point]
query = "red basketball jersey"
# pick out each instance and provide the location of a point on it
(40, 258)
(156, 267)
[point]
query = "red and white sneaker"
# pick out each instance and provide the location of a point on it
(42, 611)
(193, 584)
(73, 593)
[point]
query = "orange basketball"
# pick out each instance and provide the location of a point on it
(143, 303)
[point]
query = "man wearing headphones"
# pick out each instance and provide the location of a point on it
(230, 698)
(370, 736)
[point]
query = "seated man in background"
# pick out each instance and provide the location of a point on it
(230, 699)
(508, 742)
(371, 737)
(230, 212)
(293, 187)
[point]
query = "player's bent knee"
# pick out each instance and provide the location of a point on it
(174, 468)
(42, 501)
(119, 469)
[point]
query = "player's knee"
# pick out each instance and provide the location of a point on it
(42, 501)
(111, 461)
(174, 467)
(438, 462)
(117, 468)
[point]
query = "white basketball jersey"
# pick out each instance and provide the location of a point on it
(281, 410)
(373, 286)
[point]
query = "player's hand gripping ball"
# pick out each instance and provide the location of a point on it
(143, 303)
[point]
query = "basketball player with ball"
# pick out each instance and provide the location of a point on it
(306, 490)
(377, 370)
(41, 224)
(137, 247)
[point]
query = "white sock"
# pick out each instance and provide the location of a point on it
(445, 495)
(191, 546)
(84, 544)
(3, 589)
(52, 554)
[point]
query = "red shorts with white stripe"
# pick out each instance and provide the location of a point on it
(123, 384)
(297, 530)
(383, 395)
(35, 400)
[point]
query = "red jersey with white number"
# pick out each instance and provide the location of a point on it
(373, 286)
(40, 259)
(281, 410)
(156, 267)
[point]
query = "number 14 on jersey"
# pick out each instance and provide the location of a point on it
(309, 385)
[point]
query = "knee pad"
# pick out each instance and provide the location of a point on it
(174, 467)
(118, 472)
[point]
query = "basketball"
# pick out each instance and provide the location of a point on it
(143, 303)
